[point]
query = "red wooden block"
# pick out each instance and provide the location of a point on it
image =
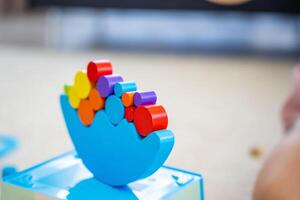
(129, 113)
(150, 118)
(95, 69)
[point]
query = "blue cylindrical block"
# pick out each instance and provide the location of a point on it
(114, 109)
(123, 87)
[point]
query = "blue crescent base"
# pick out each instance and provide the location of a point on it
(116, 154)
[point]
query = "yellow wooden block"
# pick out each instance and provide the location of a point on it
(82, 85)
(73, 98)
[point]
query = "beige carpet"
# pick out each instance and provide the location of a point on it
(219, 107)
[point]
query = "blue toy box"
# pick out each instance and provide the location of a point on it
(65, 177)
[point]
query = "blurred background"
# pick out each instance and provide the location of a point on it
(259, 27)
(226, 65)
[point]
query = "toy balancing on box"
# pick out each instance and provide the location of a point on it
(120, 133)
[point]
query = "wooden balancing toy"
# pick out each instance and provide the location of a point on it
(120, 133)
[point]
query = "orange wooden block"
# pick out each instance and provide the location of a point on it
(127, 99)
(129, 113)
(96, 101)
(86, 112)
(150, 118)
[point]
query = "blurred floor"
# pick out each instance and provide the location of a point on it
(219, 107)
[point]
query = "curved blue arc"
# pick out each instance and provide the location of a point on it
(116, 155)
(7, 144)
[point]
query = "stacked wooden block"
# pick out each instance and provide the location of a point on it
(98, 88)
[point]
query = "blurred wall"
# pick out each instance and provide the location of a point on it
(12, 6)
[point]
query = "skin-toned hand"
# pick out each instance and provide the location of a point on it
(291, 109)
(279, 177)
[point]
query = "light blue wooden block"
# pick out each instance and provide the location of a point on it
(123, 87)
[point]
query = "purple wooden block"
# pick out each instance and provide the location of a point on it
(144, 98)
(105, 85)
